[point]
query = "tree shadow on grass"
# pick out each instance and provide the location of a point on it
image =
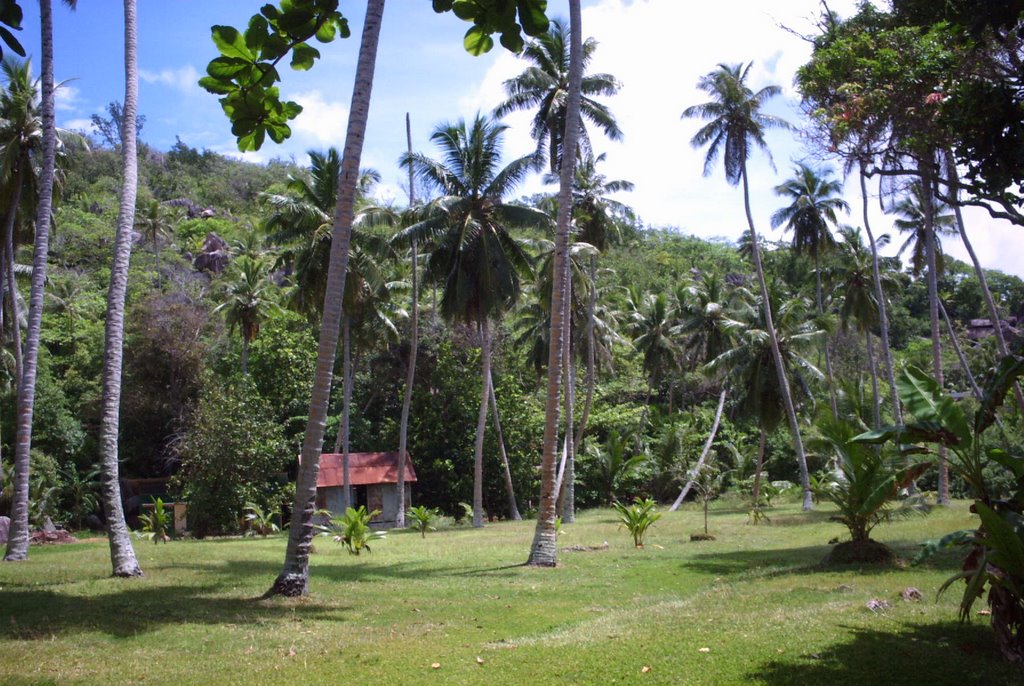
(137, 609)
(943, 653)
(806, 560)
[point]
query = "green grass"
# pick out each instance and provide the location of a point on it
(755, 598)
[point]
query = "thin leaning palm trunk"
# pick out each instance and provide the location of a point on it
(513, 508)
(883, 316)
(543, 549)
(341, 441)
(773, 339)
(927, 198)
(410, 372)
(17, 543)
(588, 400)
(12, 283)
(565, 505)
(964, 364)
(876, 401)
(828, 355)
(986, 293)
(122, 555)
(695, 472)
(294, 577)
(481, 425)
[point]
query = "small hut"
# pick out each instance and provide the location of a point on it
(372, 477)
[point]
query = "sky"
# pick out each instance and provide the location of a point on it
(657, 49)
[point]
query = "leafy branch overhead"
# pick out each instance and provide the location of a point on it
(497, 16)
(10, 18)
(246, 72)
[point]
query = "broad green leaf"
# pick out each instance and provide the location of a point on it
(216, 86)
(512, 41)
(326, 33)
(466, 10)
(1002, 539)
(252, 141)
(886, 433)
(11, 41)
(442, 5)
(926, 401)
(257, 33)
(226, 68)
(533, 16)
(303, 56)
(477, 42)
(230, 42)
(1014, 464)
(1000, 381)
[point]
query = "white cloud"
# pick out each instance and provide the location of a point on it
(321, 121)
(77, 125)
(183, 79)
(66, 98)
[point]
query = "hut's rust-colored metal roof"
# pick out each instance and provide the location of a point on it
(363, 469)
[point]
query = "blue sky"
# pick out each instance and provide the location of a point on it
(656, 48)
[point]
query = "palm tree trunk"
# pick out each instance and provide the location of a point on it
(927, 199)
(787, 397)
(122, 555)
(294, 577)
(513, 509)
(245, 355)
(876, 401)
(990, 303)
(759, 466)
(703, 455)
(544, 550)
(588, 401)
(828, 355)
(12, 283)
(975, 389)
(17, 543)
(410, 372)
(481, 425)
(883, 317)
(569, 379)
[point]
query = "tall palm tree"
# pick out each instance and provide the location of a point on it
(544, 86)
(294, 577)
(250, 301)
(414, 342)
(750, 364)
(474, 259)
(736, 123)
(122, 555)
(543, 549)
(17, 543)
(650, 324)
(921, 217)
(814, 202)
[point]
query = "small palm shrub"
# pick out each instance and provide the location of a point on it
(421, 518)
(260, 523)
(637, 518)
(353, 529)
(158, 523)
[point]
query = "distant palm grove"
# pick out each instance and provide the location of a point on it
(178, 323)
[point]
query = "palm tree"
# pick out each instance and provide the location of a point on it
(250, 301)
(122, 555)
(736, 123)
(650, 325)
(920, 217)
(17, 543)
(543, 549)
(474, 258)
(750, 365)
(294, 577)
(544, 86)
(156, 223)
(814, 202)
(414, 335)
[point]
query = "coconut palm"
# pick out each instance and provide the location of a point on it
(156, 223)
(814, 202)
(17, 543)
(294, 577)
(750, 365)
(249, 303)
(474, 258)
(544, 86)
(122, 555)
(650, 325)
(737, 123)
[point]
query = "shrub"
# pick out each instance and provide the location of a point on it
(421, 519)
(637, 518)
(353, 529)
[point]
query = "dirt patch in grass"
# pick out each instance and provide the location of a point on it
(861, 552)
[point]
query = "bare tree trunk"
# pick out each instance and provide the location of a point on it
(588, 401)
(828, 355)
(341, 441)
(927, 199)
(245, 355)
(294, 577)
(691, 477)
(12, 283)
(481, 425)
(883, 317)
(986, 293)
(17, 543)
(759, 465)
(975, 389)
(566, 488)
(787, 397)
(544, 550)
(410, 372)
(122, 555)
(876, 401)
(513, 509)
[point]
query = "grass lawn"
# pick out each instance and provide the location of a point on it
(751, 607)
